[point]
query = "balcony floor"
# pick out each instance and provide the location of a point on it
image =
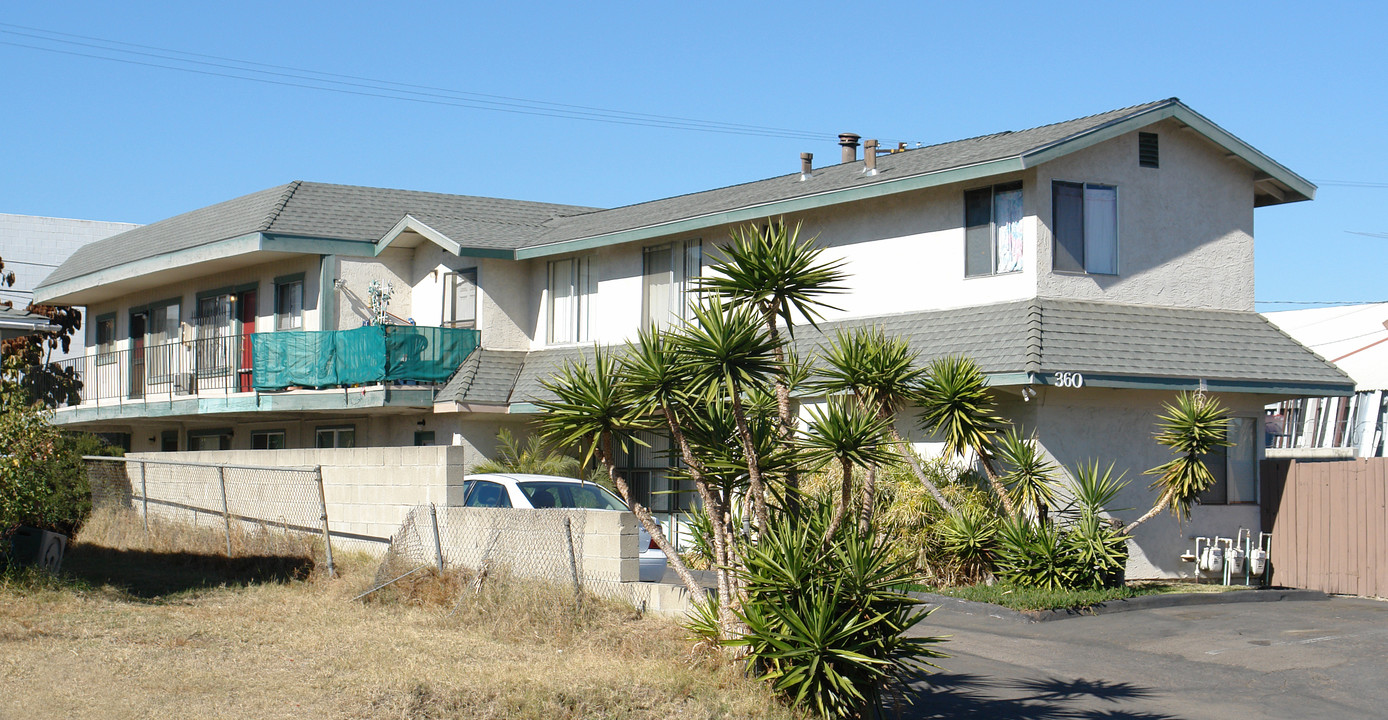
(385, 398)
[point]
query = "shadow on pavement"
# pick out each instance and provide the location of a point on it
(951, 695)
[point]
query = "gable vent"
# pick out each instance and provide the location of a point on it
(1147, 150)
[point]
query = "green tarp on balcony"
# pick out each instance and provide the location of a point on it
(395, 353)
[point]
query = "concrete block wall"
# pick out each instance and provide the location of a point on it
(369, 491)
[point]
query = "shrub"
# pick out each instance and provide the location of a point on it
(826, 618)
(43, 481)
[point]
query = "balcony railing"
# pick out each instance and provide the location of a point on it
(243, 363)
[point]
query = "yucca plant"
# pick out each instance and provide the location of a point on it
(844, 432)
(826, 623)
(1029, 476)
(969, 537)
(881, 372)
(1032, 555)
(1096, 551)
(1192, 426)
(956, 405)
(729, 354)
(591, 410)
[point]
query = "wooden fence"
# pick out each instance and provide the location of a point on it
(1329, 524)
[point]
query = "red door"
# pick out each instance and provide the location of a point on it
(245, 313)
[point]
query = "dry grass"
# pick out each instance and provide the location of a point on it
(141, 630)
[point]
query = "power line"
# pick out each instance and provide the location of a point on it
(1351, 183)
(1368, 234)
(386, 89)
(1319, 302)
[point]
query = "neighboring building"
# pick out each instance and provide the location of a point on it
(32, 246)
(16, 322)
(1355, 339)
(1093, 267)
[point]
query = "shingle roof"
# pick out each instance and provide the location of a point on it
(342, 212)
(1045, 336)
(485, 378)
(895, 166)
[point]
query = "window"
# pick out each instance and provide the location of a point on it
(570, 293)
(1147, 154)
(460, 299)
(161, 335)
(106, 339)
(219, 439)
(1235, 468)
(267, 440)
(993, 230)
(668, 282)
(480, 493)
(214, 345)
(168, 441)
(337, 436)
(1086, 227)
(289, 302)
(647, 468)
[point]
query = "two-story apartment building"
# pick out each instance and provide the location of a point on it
(1093, 267)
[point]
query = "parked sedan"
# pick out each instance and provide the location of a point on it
(517, 490)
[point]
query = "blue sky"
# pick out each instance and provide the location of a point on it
(97, 139)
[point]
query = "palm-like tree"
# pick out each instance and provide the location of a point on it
(881, 372)
(1192, 426)
(592, 411)
(729, 354)
(846, 432)
(534, 456)
(771, 269)
(955, 403)
(1030, 477)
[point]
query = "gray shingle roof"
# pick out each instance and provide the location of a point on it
(895, 166)
(485, 378)
(1046, 336)
(342, 212)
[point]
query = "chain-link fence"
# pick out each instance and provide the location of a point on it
(580, 549)
(238, 499)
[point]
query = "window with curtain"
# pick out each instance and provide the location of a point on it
(1235, 468)
(161, 337)
(993, 230)
(668, 282)
(571, 287)
(1085, 224)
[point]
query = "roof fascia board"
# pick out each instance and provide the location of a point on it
(59, 292)
(316, 245)
(779, 207)
(1192, 119)
(1259, 387)
(411, 223)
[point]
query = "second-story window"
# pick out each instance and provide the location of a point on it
(1085, 224)
(106, 339)
(668, 274)
(214, 344)
(289, 303)
(993, 230)
(460, 298)
(570, 293)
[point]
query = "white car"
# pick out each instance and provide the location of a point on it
(517, 490)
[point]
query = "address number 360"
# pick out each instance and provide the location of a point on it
(1069, 380)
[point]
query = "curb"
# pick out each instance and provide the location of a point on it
(1142, 602)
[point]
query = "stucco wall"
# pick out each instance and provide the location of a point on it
(393, 265)
(1117, 426)
(1185, 234)
(262, 276)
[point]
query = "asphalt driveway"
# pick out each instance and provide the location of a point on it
(1291, 659)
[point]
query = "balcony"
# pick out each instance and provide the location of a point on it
(249, 367)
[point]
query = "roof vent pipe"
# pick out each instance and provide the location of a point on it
(806, 165)
(849, 143)
(869, 157)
